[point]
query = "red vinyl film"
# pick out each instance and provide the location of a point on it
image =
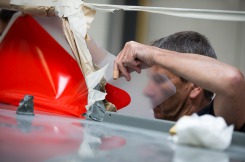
(32, 62)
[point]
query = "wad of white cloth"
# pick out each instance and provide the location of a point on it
(204, 131)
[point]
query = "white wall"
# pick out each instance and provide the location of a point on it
(99, 28)
(240, 60)
(107, 27)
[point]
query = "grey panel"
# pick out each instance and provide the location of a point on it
(59, 138)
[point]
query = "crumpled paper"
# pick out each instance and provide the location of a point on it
(205, 131)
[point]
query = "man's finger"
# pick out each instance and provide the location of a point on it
(120, 69)
(133, 68)
(123, 70)
(115, 71)
(132, 64)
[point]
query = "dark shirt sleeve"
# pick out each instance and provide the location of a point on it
(243, 128)
(209, 109)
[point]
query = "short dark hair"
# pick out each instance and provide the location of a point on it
(188, 42)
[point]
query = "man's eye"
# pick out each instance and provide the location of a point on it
(157, 79)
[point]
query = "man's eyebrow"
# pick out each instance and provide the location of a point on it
(161, 78)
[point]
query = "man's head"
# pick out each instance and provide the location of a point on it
(189, 98)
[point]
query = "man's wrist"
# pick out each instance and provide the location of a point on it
(156, 56)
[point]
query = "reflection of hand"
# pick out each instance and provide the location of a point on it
(133, 56)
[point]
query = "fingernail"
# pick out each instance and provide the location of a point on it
(115, 74)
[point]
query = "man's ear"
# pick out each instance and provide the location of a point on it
(195, 91)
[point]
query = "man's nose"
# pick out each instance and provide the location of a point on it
(148, 92)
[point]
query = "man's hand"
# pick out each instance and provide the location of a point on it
(134, 56)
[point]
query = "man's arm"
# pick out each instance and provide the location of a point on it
(226, 81)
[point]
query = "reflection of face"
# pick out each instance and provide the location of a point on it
(159, 87)
(158, 90)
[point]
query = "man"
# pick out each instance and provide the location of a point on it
(189, 61)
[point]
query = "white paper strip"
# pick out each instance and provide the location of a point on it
(180, 12)
(34, 2)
